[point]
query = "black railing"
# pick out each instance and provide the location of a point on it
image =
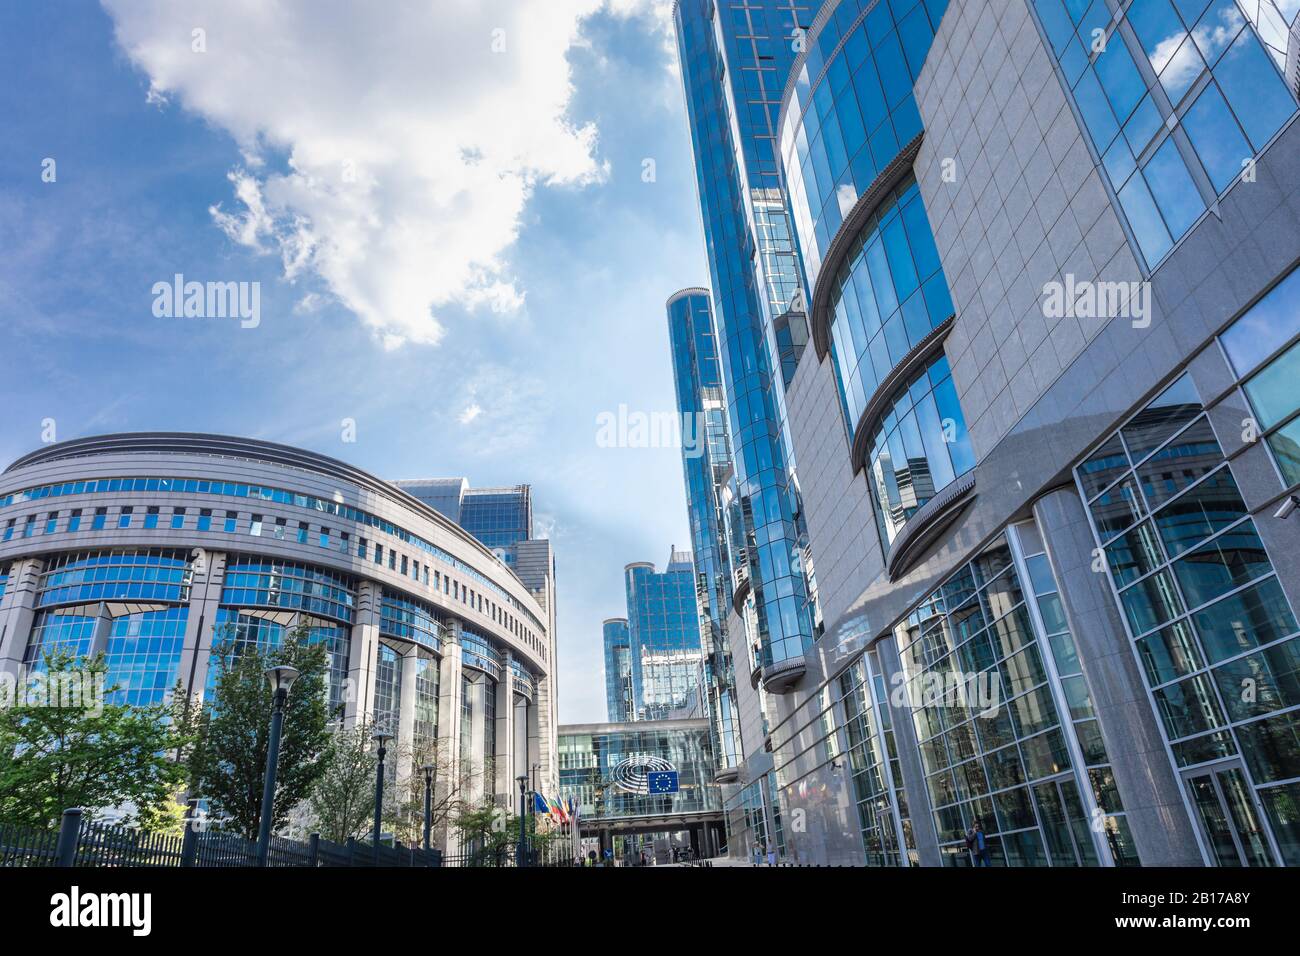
(23, 846)
(91, 844)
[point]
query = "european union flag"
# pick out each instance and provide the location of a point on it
(662, 781)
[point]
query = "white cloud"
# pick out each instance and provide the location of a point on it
(387, 148)
(469, 413)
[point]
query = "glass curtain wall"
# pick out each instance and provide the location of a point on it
(1211, 627)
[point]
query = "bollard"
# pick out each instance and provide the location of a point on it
(69, 833)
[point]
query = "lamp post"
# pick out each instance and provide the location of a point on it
(428, 769)
(381, 737)
(523, 809)
(281, 678)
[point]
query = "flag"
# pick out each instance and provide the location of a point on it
(539, 803)
(662, 781)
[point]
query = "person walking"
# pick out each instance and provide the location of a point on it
(977, 843)
(771, 855)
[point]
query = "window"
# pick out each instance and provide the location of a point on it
(1213, 632)
(74, 521)
(124, 517)
(205, 519)
(178, 518)
(1219, 96)
(255, 528)
(920, 447)
(151, 517)
(51, 522)
(231, 521)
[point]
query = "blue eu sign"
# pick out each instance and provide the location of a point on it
(662, 781)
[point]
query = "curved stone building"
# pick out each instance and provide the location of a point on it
(151, 547)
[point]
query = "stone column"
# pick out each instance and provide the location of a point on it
(505, 735)
(17, 614)
(406, 717)
(103, 631)
(909, 759)
(449, 696)
(1147, 784)
(541, 743)
(208, 579)
(520, 730)
(363, 650)
(535, 742)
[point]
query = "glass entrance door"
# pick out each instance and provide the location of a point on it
(1226, 812)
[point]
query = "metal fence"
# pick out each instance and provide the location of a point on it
(92, 844)
(21, 846)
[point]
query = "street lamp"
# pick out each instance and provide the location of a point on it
(523, 809)
(381, 737)
(281, 678)
(428, 769)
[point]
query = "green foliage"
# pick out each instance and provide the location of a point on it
(486, 830)
(228, 760)
(343, 799)
(87, 753)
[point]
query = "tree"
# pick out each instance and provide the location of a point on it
(62, 746)
(487, 832)
(342, 802)
(404, 801)
(227, 762)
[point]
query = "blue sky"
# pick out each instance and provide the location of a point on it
(487, 280)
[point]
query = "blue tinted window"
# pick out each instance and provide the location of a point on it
(1266, 327)
(1254, 89)
(1173, 189)
(1217, 137)
(1144, 218)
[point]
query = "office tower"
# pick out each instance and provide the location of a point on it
(1046, 455)
(664, 637)
(733, 78)
(502, 519)
(620, 699)
(706, 466)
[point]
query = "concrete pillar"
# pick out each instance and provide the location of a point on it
(535, 739)
(1153, 800)
(504, 758)
(520, 730)
(200, 620)
(909, 759)
(103, 631)
(406, 717)
(449, 697)
(542, 733)
(18, 613)
(363, 651)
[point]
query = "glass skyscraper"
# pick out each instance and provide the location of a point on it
(706, 465)
(664, 637)
(499, 517)
(1047, 441)
(735, 58)
(619, 697)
